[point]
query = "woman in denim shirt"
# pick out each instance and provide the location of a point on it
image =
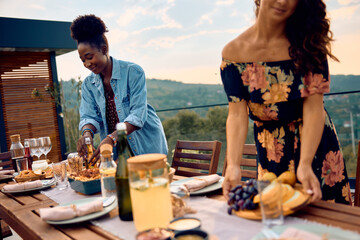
(114, 92)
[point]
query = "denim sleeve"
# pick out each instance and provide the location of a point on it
(89, 112)
(138, 97)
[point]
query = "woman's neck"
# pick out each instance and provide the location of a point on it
(267, 31)
(107, 72)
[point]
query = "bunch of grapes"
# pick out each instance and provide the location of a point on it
(241, 196)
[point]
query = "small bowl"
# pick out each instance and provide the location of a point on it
(184, 223)
(155, 234)
(194, 234)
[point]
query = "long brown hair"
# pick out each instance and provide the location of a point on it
(309, 34)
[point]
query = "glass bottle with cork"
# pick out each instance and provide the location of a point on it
(107, 171)
(16, 149)
(150, 191)
(27, 153)
(122, 176)
(90, 152)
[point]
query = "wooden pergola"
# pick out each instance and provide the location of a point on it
(27, 61)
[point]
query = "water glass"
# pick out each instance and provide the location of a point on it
(60, 174)
(270, 203)
(21, 164)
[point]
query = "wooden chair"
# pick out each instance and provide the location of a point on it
(5, 163)
(203, 162)
(249, 162)
(5, 160)
(357, 180)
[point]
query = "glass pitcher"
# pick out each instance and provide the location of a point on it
(149, 191)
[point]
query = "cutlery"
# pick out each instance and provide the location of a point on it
(108, 201)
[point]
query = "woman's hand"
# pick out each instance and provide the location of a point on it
(95, 157)
(309, 181)
(81, 146)
(232, 179)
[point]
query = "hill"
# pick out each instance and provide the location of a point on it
(167, 94)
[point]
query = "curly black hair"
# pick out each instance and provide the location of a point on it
(309, 34)
(89, 29)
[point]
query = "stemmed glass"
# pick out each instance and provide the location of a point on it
(35, 145)
(46, 146)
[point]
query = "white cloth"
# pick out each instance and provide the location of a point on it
(212, 214)
(23, 186)
(68, 212)
(199, 183)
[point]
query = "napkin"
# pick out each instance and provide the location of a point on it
(6, 172)
(23, 186)
(71, 211)
(199, 183)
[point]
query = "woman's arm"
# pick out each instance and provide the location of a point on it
(236, 132)
(138, 99)
(310, 137)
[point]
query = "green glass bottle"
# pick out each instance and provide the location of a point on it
(122, 175)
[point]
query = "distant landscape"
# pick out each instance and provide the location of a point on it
(210, 123)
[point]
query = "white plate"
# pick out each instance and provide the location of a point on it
(86, 217)
(174, 186)
(46, 184)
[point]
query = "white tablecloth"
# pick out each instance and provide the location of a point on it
(212, 213)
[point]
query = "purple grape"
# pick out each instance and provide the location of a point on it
(230, 210)
(236, 188)
(239, 191)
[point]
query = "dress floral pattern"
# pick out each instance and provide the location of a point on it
(274, 93)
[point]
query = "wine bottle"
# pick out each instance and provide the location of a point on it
(122, 175)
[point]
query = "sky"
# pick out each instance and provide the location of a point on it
(179, 40)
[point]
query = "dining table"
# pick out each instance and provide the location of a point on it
(21, 213)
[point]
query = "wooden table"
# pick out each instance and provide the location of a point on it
(21, 213)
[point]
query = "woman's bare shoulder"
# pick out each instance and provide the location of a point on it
(236, 49)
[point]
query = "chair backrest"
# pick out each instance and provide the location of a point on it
(194, 158)
(248, 163)
(357, 180)
(6, 161)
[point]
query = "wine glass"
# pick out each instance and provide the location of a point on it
(35, 144)
(46, 146)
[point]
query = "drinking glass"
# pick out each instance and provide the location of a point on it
(270, 203)
(60, 174)
(35, 144)
(46, 145)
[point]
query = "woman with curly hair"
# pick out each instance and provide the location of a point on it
(114, 92)
(276, 73)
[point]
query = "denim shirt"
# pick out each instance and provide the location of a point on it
(130, 96)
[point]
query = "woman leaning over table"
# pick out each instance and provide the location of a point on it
(114, 92)
(276, 73)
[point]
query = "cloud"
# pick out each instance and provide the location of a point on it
(225, 2)
(343, 13)
(130, 15)
(154, 12)
(115, 36)
(37, 6)
(205, 18)
(347, 2)
(169, 42)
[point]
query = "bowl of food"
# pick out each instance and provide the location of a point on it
(29, 175)
(184, 223)
(194, 234)
(86, 182)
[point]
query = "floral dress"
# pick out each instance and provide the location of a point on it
(274, 94)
